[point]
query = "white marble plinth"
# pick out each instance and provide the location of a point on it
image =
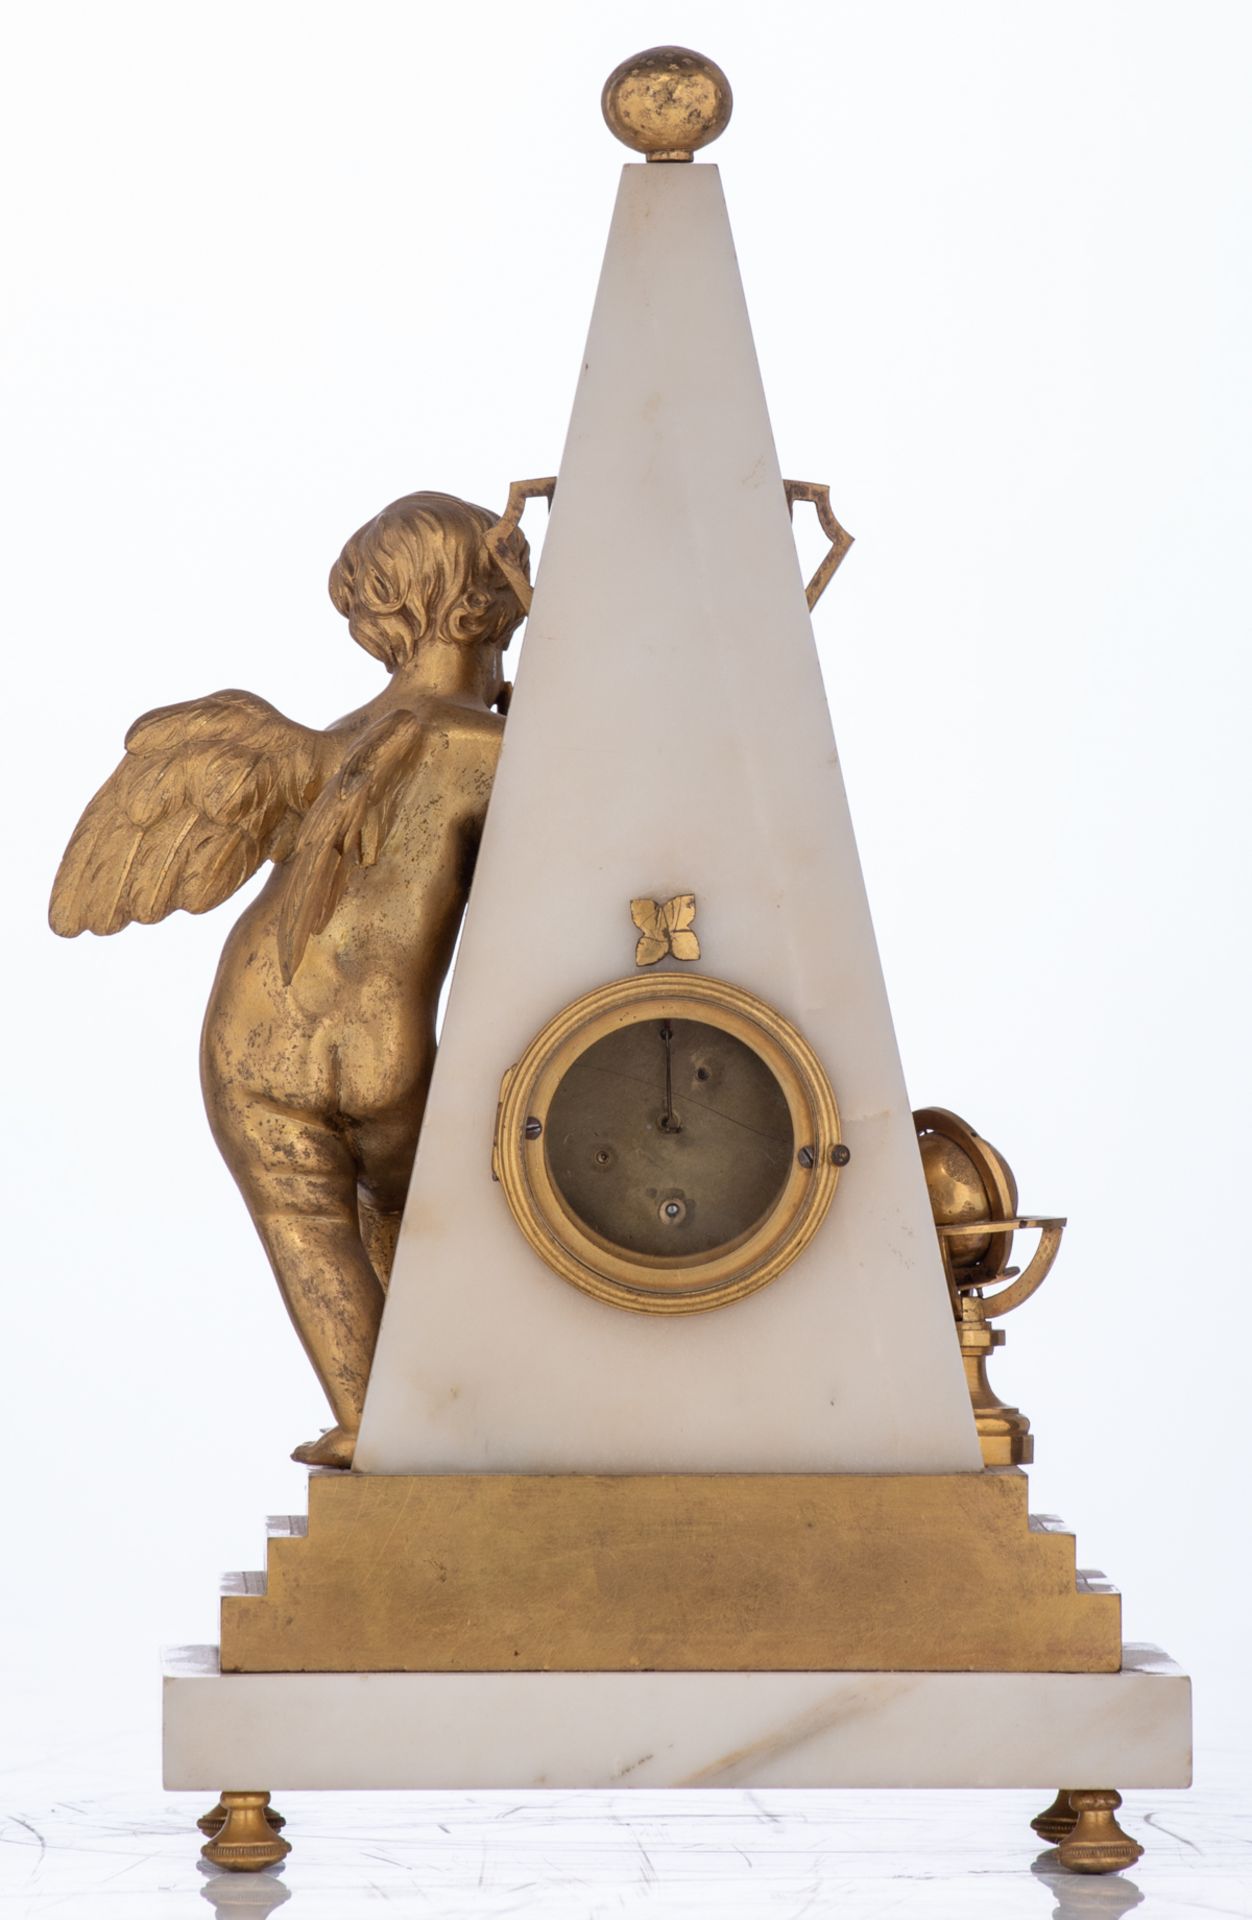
(543, 1730)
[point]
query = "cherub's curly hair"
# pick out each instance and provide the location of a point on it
(418, 571)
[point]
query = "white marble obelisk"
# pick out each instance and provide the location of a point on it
(669, 733)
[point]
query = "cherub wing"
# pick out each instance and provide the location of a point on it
(347, 826)
(208, 790)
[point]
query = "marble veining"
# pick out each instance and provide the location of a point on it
(593, 1730)
(85, 1834)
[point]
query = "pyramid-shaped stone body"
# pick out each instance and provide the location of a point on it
(669, 733)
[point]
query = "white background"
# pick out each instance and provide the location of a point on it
(267, 266)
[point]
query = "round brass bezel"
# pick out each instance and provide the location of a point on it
(640, 1282)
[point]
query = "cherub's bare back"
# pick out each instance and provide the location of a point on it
(353, 1031)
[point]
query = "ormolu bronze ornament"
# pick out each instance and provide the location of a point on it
(319, 1037)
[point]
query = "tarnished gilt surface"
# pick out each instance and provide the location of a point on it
(669, 1138)
(666, 102)
(682, 1572)
(973, 1196)
(319, 1038)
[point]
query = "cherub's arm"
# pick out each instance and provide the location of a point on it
(208, 790)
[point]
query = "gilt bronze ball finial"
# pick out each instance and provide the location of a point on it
(667, 102)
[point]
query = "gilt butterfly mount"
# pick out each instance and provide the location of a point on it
(665, 928)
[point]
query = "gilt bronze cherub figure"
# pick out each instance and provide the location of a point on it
(319, 1037)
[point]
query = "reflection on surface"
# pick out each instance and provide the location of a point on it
(243, 1893)
(1085, 1896)
(85, 1834)
(670, 1138)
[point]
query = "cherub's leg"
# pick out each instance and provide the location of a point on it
(379, 1230)
(299, 1179)
(385, 1149)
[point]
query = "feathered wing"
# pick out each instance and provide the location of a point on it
(208, 790)
(347, 826)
